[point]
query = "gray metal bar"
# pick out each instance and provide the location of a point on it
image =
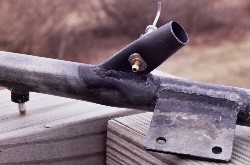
(108, 87)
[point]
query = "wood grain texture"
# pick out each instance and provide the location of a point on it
(125, 145)
(55, 130)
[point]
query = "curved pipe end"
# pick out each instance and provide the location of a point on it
(179, 32)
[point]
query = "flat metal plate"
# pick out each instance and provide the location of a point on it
(193, 125)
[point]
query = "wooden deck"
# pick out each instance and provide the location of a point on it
(54, 131)
(125, 145)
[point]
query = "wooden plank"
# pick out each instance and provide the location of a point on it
(55, 130)
(125, 144)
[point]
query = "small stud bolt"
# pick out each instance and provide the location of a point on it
(136, 63)
(157, 14)
(20, 97)
(22, 108)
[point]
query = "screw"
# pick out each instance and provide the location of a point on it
(22, 108)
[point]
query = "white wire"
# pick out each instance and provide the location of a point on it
(157, 14)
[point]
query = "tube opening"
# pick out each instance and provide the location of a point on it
(179, 32)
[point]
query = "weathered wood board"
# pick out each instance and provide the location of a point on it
(125, 144)
(55, 130)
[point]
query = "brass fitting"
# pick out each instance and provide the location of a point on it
(137, 63)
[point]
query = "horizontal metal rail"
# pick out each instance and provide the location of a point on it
(113, 83)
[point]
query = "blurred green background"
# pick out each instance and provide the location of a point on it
(91, 31)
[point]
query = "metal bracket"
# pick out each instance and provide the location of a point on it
(193, 125)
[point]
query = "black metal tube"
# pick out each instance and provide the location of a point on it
(154, 48)
(78, 81)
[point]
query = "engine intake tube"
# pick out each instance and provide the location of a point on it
(154, 48)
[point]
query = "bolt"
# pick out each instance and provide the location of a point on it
(136, 64)
(20, 97)
(22, 108)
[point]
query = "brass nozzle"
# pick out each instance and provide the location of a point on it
(136, 64)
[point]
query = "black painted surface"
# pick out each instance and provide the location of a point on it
(154, 48)
(113, 83)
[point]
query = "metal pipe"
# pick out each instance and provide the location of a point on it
(108, 87)
(75, 80)
(113, 83)
(154, 48)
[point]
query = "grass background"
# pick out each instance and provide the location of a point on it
(227, 63)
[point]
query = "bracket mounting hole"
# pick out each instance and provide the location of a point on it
(161, 140)
(217, 150)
